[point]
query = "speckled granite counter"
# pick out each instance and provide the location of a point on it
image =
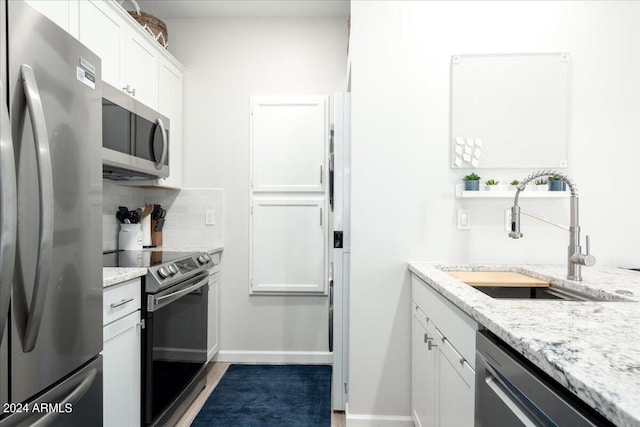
(591, 348)
(114, 275)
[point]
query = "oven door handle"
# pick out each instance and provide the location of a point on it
(166, 299)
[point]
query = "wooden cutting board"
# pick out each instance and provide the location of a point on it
(498, 278)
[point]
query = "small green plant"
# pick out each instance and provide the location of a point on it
(541, 181)
(515, 182)
(492, 182)
(555, 178)
(471, 177)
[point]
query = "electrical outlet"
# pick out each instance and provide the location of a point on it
(209, 218)
(464, 219)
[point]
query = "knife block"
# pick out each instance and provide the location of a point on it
(156, 236)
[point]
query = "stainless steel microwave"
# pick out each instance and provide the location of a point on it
(135, 138)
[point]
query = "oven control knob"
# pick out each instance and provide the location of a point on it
(173, 269)
(201, 259)
(207, 258)
(163, 273)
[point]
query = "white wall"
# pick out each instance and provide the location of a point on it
(403, 205)
(185, 221)
(228, 60)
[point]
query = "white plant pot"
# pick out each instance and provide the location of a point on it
(542, 187)
(492, 187)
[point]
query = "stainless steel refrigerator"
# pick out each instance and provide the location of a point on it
(50, 224)
(339, 285)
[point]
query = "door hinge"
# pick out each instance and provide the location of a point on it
(346, 388)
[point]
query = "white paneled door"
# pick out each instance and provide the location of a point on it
(288, 138)
(288, 195)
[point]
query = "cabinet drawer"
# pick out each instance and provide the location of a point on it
(459, 363)
(120, 300)
(453, 323)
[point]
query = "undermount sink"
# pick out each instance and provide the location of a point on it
(512, 285)
(549, 293)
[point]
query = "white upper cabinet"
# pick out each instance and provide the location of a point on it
(62, 12)
(170, 80)
(141, 65)
(103, 31)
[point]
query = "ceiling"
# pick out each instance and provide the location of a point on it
(175, 9)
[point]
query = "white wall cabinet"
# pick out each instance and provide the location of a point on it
(288, 245)
(122, 350)
(62, 12)
(213, 319)
(442, 361)
(141, 68)
(103, 31)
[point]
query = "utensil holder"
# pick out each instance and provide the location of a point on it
(156, 236)
(130, 237)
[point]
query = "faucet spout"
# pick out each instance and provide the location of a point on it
(575, 259)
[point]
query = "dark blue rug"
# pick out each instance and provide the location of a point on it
(270, 395)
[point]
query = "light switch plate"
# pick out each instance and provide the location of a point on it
(209, 217)
(464, 219)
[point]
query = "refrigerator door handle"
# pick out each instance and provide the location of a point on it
(8, 211)
(45, 182)
(71, 399)
(163, 157)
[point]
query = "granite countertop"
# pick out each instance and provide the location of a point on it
(591, 348)
(114, 275)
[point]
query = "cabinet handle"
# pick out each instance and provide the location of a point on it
(462, 360)
(320, 217)
(426, 338)
(321, 174)
(430, 344)
(123, 302)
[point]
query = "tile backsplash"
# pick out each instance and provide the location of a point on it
(185, 220)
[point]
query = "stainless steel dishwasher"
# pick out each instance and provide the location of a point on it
(511, 392)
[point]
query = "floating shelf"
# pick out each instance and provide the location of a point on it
(509, 194)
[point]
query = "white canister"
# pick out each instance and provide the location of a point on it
(130, 237)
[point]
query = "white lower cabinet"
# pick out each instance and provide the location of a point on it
(442, 361)
(122, 350)
(213, 318)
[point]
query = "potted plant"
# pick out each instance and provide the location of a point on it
(492, 185)
(556, 184)
(513, 185)
(471, 182)
(541, 184)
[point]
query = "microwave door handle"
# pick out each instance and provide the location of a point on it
(165, 145)
(8, 211)
(45, 183)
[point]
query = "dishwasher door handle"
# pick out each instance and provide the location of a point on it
(495, 385)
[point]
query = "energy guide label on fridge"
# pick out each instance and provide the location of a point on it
(85, 77)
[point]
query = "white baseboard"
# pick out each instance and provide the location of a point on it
(365, 420)
(285, 357)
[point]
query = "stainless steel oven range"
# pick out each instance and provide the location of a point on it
(175, 295)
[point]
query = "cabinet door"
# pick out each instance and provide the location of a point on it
(455, 388)
(122, 378)
(212, 319)
(170, 104)
(423, 375)
(288, 137)
(288, 245)
(103, 31)
(62, 12)
(141, 66)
